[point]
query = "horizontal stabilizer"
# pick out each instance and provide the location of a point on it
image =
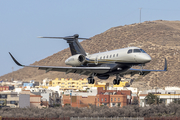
(76, 36)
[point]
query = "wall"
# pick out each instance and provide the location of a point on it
(24, 100)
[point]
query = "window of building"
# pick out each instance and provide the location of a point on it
(98, 99)
(2, 101)
(111, 99)
(105, 104)
(105, 99)
(119, 104)
(113, 104)
(3, 96)
(118, 99)
(102, 99)
(15, 95)
(114, 99)
(12, 102)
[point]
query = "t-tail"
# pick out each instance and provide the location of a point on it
(74, 44)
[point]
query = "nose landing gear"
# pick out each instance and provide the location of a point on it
(91, 80)
(117, 80)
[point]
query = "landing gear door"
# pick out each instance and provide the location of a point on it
(96, 60)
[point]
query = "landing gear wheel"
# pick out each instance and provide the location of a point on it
(114, 81)
(117, 80)
(91, 81)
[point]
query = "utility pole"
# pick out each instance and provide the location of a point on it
(140, 15)
(12, 74)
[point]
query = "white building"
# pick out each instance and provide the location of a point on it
(165, 96)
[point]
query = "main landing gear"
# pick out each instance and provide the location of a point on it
(117, 80)
(91, 80)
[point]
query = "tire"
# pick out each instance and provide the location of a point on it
(89, 80)
(92, 82)
(114, 81)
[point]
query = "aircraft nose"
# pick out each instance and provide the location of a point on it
(143, 58)
(147, 58)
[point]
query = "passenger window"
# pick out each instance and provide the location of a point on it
(114, 55)
(107, 56)
(104, 57)
(117, 55)
(137, 50)
(129, 51)
(110, 56)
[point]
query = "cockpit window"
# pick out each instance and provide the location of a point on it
(142, 51)
(137, 51)
(129, 51)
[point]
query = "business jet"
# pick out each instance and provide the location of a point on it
(102, 65)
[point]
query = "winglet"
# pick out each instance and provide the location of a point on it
(15, 60)
(165, 65)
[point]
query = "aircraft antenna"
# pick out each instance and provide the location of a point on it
(140, 15)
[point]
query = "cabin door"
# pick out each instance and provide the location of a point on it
(96, 60)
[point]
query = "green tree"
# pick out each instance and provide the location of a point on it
(152, 99)
(135, 101)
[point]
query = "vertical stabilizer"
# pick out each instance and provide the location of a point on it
(74, 44)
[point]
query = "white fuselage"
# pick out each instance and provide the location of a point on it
(121, 56)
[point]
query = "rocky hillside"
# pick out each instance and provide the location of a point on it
(160, 39)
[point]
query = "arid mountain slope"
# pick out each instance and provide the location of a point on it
(160, 39)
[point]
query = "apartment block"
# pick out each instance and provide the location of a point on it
(79, 99)
(10, 99)
(70, 84)
(112, 98)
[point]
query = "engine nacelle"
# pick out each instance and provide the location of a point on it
(76, 60)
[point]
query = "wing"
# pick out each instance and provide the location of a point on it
(77, 70)
(144, 72)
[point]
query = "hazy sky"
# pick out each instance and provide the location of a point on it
(21, 21)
